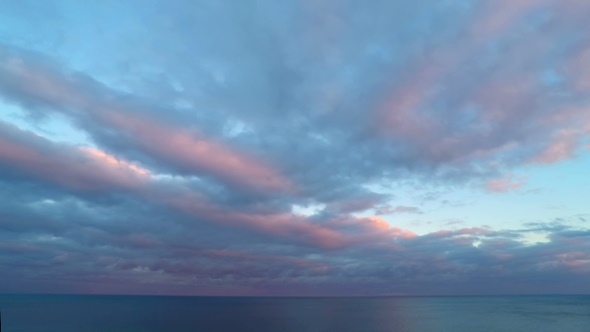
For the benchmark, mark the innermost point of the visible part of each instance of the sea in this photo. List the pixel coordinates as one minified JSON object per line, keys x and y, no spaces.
{"x":44,"y":313}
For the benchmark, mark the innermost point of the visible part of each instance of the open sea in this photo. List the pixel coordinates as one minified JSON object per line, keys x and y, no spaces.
{"x":43,"y":313}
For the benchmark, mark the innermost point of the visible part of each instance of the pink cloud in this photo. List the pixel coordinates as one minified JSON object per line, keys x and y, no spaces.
{"x":563,"y":143}
{"x":404,"y":113}
{"x":80,"y":169}
{"x":497,"y":16}
{"x":576,"y":69}
{"x":195,"y":153}
{"x":558,"y":150}
{"x":114,"y":162}
{"x":94,"y":170}
{"x":381,"y":226}
{"x":370,"y":231}
{"x":512,"y":103}
{"x":398,"y":111}
{"x":574,"y":260}
{"x":173,"y":145}
{"x":39,"y":82}
{"x":503,"y":185}
{"x":376,"y":223}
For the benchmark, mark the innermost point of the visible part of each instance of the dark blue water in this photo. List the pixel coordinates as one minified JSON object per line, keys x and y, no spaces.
{"x":404,"y":314}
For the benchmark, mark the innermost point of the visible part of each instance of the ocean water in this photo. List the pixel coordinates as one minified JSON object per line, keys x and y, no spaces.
{"x":44,"y":313}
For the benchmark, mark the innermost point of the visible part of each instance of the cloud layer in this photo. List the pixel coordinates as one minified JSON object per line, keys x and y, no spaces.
{"x":256,"y":148}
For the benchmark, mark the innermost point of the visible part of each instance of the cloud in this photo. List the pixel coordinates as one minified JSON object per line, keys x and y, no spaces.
{"x":209,"y":123}
{"x":479,"y":100}
{"x":462,"y":105}
{"x":90,"y":170}
{"x":91,"y":106}
{"x":398,"y":209}
{"x":84,"y":249}
{"x":502,"y":185}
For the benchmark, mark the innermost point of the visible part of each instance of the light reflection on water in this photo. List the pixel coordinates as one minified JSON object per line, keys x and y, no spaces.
{"x":34,"y":313}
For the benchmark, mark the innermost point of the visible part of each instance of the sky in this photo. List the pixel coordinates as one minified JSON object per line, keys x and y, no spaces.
{"x":295,"y":147}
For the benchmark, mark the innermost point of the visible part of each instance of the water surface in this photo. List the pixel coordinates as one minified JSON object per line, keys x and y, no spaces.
{"x":37,"y":313}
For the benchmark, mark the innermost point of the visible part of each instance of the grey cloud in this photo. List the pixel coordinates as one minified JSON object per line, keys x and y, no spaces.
{"x":85,"y":249}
